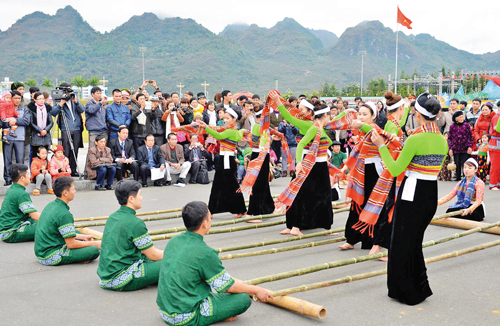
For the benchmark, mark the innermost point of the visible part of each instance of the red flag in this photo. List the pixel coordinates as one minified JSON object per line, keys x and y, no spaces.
{"x":467,"y":77}
{"x":455,"y":76}
{"x":444,"y":77}
{"x":403,"y":20}
{"x":472,"y":77}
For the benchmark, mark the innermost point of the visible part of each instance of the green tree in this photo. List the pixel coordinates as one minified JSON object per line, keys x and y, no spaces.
{"x":93,"y":81}
{"x":47,"y":83}
{"x":443,"y":71}
{"x":376,"y":87}
{"x":79,"y":82}
{"x":30,"y":82}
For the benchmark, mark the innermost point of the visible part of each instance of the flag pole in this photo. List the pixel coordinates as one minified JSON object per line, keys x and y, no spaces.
{"x":396,"y":73}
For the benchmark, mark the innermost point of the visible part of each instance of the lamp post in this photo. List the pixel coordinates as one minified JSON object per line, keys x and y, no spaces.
{"x":205,"y":85}
{"x":142,"y":49}
{"x":362,"y":54}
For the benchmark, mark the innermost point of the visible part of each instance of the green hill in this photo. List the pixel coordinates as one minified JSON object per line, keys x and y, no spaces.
{"x":242,"y":57}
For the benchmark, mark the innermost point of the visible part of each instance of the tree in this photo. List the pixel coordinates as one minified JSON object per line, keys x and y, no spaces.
{"x":79,"y":82}
{"x":376,"y":87}
{"x":30,"y":82}
{"x":47,"y":83}
{"x":93,"y":81}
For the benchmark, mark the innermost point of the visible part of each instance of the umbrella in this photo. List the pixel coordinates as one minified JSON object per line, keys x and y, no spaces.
{"x":237,"y":95}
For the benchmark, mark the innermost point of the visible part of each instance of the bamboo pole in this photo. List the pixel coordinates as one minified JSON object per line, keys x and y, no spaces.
{"x":90,"y":232}
{"x":300,"y":306}
{"x":362,"y":276}
{"x":283,"y":249}
{"x":282,"y":240}
{"x":216,"y":231}
{"x":354,"y":260}
{"x":465,"y":224}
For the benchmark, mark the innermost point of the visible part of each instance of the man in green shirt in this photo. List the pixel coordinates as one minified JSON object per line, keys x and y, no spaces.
{"x":338,"y":157}
{"x":18,"y":214}
{"x":191,"y":269}
{"x":56,"y":241}
{"x":129,"y":261}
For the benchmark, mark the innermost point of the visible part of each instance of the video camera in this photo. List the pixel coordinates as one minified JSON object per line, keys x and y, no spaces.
{"x":63,"y":93}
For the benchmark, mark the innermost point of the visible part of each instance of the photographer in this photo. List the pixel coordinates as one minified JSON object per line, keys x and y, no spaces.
{"x":70,"y":123}
{"x":196,"y":154}
{"x":140,"y":124}
{"x":157,"y":126}
{"x":95,"y":114}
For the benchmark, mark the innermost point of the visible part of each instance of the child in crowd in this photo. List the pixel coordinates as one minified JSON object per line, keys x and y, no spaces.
{"x":445,"y":174}
{"x":240,"y":160}
{"x":7,"y":111}
{"x":221,"y":122}
{"x":59,"y":164}
{"x":483,"y":157}
{"x":469,"y":192}
{"x":40,"y":171}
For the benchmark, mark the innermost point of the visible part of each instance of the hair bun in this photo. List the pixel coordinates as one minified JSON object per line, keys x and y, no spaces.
{"x":388,"y":95}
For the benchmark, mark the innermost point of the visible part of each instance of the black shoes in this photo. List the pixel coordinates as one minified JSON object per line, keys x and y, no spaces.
{"x":180,"y":183}
{"x":168,"y":183}
{"x":100,"y":188}
{"x":109,"y":187}
{"x":158,"y":183}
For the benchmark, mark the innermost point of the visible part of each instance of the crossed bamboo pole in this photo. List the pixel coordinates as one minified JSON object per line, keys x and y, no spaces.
{"x":354,"y":260}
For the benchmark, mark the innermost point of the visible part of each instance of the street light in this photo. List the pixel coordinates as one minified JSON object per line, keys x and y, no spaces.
{"x":362,"y":54}
{"x":142,"y":49}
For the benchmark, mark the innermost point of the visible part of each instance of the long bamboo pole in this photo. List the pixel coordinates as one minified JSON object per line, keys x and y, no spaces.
{"x":362,"y":276}
{"x":465,"y":224}
{"x":354,"y":260}
{"x":282,"y":240}
{"x":283,"y":249}
{"x":300,"y":306}
{"x":90,"y":232}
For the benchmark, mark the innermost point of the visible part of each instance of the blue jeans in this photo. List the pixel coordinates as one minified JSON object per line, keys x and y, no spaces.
{"x":105,"y":172}
{"x":241,"y":172}
{"x":18,"y":147}
{"x":113,"y":135}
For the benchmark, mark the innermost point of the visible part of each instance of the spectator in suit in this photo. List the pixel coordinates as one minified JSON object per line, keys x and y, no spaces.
{"x":196,"y":154}
{"x":97,"y":155}
{"x":174,"y":159}
{"x":117,"y":114}
{"x":123,"y":153}
{"x":149,"y":157}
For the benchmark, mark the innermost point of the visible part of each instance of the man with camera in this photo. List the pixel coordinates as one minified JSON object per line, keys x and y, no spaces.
{"x":140,"y":124}
{"x":95,"y":114}
{"x":70,"y":123}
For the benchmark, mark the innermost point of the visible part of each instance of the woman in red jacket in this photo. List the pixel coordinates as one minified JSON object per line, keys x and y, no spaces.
{"x":483,"y":122}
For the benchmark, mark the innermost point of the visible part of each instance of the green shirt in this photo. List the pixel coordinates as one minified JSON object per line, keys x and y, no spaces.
{"x":15,"y":211}
{"x":338,"y":159}
{"x":125,"y":237}
{"x":189,"y":270}
{"x":55,"y":224}
{"x":391,"y":127}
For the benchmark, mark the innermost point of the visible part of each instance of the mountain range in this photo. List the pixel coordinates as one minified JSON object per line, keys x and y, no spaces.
{"x":241,"y":57}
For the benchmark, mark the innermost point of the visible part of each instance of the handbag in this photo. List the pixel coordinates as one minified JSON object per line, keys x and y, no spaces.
{"x":202,"y":177}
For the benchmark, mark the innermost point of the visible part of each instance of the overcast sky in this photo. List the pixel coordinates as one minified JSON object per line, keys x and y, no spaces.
{"x":463,"y":24}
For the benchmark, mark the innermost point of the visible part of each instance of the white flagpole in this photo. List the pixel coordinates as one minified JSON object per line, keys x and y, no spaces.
{"x":396,"y":73}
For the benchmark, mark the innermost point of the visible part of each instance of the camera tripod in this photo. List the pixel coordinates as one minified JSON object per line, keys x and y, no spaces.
{"x":63,"y":118}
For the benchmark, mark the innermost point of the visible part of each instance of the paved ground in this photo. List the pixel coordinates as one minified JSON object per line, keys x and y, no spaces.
{"x":466,"y":289}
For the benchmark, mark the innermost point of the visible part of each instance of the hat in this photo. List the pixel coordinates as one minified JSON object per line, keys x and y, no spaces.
{"x":473,"y":162}
{"x":125,"y":93}
{"x":56,"y":148}
{"x":336,"y":143}
{"x":201,"y":95}
{"x":197,"y":115}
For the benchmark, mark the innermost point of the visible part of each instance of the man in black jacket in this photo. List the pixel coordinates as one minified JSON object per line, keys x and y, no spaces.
{"x":150,"y":157}
{"x":139,"y":127}
{"x":123,"y":152}
{"x":196,"y":154}
{"x":226,"y":101}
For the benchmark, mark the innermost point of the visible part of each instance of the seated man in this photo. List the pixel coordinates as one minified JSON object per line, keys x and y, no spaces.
{"x":191,"y":269}
{"x":18,"y":214}
{"x":99,"y":156}
{"x":55,"y":239}
{"x":123,"y":153}
{"x":174,"y":159}
{"x":196,"y":154}
{"x":149,"y":157}
{"x":338,"y":157}
{"x":129,"y":261}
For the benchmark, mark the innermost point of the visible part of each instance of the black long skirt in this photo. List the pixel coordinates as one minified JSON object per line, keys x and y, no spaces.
{"x":261,"y":201}
{"x":354,"y":236}
{"x":312,"y":207}
{"x":476,"y":215}
{"x":406,"y":274}
{"x":223,"y":196}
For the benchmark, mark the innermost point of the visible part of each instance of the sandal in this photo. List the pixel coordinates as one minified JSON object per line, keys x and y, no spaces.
{"x":36,"y":192}
{"x":50,"y":191}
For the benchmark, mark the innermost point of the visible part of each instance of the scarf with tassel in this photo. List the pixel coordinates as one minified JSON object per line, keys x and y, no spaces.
{"x":195,"y":128}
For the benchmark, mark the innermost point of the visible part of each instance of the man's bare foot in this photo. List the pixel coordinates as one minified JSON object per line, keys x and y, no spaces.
{"x":239,"y":215}
{"x":231,"y":318}
{"x":285,"y":231}
{"x":296,"y":231}
{"x":329,"y":234}
{"x":375,"y":250}
{"x":346,"y":246}
{"x":85,"y":261}
{"x":384,"y":259}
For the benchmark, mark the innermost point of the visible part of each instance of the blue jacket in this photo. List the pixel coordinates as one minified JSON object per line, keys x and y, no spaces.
{"x":96,"y":117}
{"x":73,"y":120}
{"x":117,"y":115}
{"x":289,"y":131}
